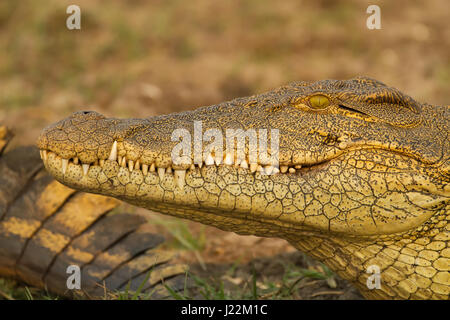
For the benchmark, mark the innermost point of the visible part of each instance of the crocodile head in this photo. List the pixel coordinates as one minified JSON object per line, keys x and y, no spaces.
{"x":341,"y":169}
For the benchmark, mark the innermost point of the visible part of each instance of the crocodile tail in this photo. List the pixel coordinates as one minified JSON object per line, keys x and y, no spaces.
{"x":45,"y":228}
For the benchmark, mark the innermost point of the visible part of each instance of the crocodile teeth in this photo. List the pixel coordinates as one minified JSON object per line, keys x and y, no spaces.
{"x":152,"y":167}
{"x":75,"y":160}
{"x":253,"y":167}
{"x":124,"y":162}
{"x":284,"y":169}
{"x":292,"y":170}
{"x":268,"y":169}
{"x":113,"y":153}
{"x":260,"y":168}
{"x":144,"y":169}
{"x":200,"y":164}
{"x":218,"y":160}
{"x":180,"y":176}
{"x":130,"y":165}
{"x":209,"y":160}
{"x":244,"y":164}
{"x":64,"y":164}
{"x":228,"y":159}
{"x":298,"y":166}
{"x":85,"y":168}
{"x":169,"y":170}
{"x":102,"y":162}
{"x":275,"y":170}
{"x":40,"y":153}
{"x":137,"y":165}
{"x":192,"y":167}
{"x":44,"y":155}
{"x":119,"y":159}
{"x":161,"y":173}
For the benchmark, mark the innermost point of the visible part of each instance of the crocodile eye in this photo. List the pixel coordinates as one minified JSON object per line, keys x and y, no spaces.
{"x":319,"y":102}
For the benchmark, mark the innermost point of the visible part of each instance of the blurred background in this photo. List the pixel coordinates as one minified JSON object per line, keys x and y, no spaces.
{"x":139,"y":58}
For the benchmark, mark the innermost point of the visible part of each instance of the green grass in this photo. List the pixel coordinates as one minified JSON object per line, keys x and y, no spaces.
{"x":196,"y":287}
{"x":12,"y":290}
{"x":252,"y":289}
{"x":183,"y":238}
{"x":135,"y":295}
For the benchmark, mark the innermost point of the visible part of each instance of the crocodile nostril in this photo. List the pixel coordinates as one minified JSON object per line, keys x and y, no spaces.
{"x":83,"y":115}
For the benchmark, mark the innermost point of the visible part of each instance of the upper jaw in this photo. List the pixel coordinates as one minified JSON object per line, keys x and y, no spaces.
{"x":146,"y":145}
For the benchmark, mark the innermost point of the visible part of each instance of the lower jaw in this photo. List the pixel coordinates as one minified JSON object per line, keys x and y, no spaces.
{"x":74,"y":177}
{"x":167,"y":196}
{"x":74,"y":173}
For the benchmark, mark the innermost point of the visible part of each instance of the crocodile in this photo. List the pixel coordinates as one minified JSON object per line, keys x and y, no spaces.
{"x":357,"y":175}
{"x":47,"y":229}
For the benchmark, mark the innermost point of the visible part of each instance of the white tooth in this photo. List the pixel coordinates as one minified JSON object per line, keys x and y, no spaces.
{"x":260,"y":168}
{"x":180,"y":176}
{"x":218,"y":161}
{"x":284,"y":169}
{"x":169,"y":170}
{"x":209,"y":160}
{"x":40,"y":153}
{"x":64,"y":163}
{"x":228,"y":159}
{"x":244,"y":164}
{"x":137,"y":165}
{"x":291,"y":170}
{"x":192,"y":166}
{"x":44,"y":154}
{"x":200,"y":164}
{"x":113,"y":153}
{"x":85,"y":169}
{"x":298,"y":166}
{"x":75,"y":160}
{"x":253,"y":167}
{"x":144,"y":169}
{"x":152,"y":167}
{"x":124,"y":162}
{"x":275,"y":170}
{"x":268,"y":169}
{"x":102,"y":162}
{"x":161,"y":172}
{"x":130,"y":165}
{"x":119,"y":159}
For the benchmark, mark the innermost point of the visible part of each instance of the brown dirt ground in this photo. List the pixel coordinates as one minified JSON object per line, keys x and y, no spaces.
{"x":143,"y":58}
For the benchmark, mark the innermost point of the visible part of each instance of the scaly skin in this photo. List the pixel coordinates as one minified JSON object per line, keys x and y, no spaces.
{"x":364,"y":177}
{"x":45,"y":227}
